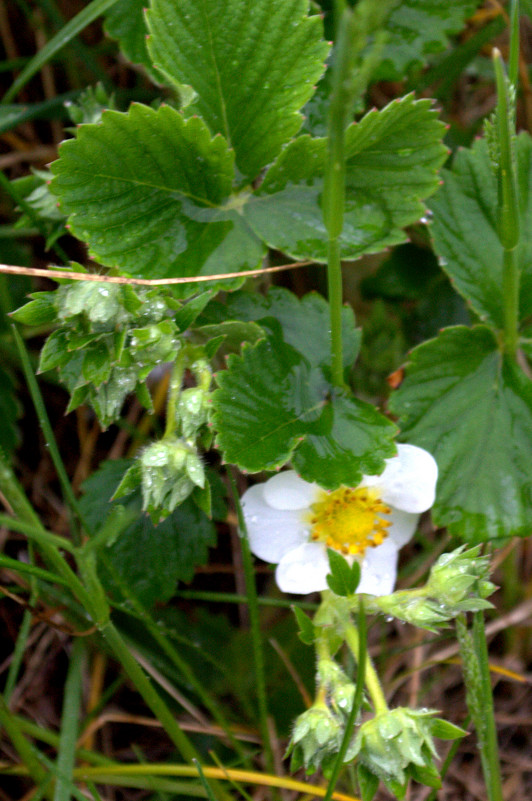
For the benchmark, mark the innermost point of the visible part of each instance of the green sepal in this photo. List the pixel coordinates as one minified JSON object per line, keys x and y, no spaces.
{"x":307,"y":630}
{"x":54,"y":352}
{"x":39,"y":311}
{"x":97,"y":366}
{"x":343,"y":578}
{"x":368,"y":783}
{"x":444,"y":730}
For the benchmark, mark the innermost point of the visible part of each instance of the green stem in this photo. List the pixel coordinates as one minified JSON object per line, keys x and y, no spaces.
{"x":256,"y":636}
{"x":362,"y":662}
{"x":66,"y":754}
{"x":508,"y":213}
{"x":334,"y":186}
{"x":371,"y":678}
{"x":474,"y":655}
{"x":334,"y":282}
{"x":510,"y":289}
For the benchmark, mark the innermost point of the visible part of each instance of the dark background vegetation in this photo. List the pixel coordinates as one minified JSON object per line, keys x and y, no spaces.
{"x":400,"y":298}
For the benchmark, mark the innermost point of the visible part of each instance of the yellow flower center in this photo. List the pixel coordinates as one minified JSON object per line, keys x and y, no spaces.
{"x":349,"y":520}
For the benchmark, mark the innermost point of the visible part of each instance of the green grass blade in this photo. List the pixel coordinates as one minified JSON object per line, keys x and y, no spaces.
{"x":71,"y":29}
{"x":66,"y":756}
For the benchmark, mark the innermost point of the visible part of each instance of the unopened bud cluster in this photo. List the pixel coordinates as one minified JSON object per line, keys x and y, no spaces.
{"x":458,"y":582}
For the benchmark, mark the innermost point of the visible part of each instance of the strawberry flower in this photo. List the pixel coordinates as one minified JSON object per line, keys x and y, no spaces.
{"x":292,"y":522}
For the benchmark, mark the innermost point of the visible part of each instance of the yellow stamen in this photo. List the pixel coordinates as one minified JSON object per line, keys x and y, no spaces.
{"x":349,"y":520}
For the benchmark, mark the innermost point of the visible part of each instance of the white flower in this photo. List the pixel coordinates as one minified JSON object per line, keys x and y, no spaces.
{"x":292,"y":522}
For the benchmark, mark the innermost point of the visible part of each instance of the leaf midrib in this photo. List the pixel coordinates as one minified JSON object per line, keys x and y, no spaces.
{"x":137,"y":182}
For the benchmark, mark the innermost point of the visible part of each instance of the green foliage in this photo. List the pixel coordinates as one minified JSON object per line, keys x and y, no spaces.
{"x":252,"y":66}
{"x":471,"y":407}
{"x":273,"y":405}
{"x":419,"y":28}
{"x":110,"y":338}
{"x":303,"y":321}
{"x":149,"y":559}
{"x":149,"y":191}
{"x":124,"y":21}
{"x":391,"y":161}
{"x":39,"y":203}
{"x":465,"y":229}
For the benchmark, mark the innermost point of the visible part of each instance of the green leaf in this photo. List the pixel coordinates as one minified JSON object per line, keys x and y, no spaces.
{"x":148,"y":191}
{"x":418,"y":28}
{"x":343,"y":578}
{"x":471,"y":407}
{"x":304,"y":321}
{"x":252,"y":63}
{"x":272,"y":405}
{"x":151,"y":559}
{"x":307,"y":630}
{"x":392,"y":157}
{"x":465,"y":229}
{"x":124,"y":21}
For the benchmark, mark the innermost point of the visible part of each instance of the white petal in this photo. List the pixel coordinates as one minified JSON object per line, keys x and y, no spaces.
{"x":408,"y":481}
{"x":403,"y":527}
{"x":379,"y":569}
{"x":272,"y":532}
{"x":303,"y":569}
{"x":288,"y":491}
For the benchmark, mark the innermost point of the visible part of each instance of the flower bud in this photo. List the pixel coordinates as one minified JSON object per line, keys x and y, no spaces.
{"x":398,"y":744}
{"x":316,"y":738}
{"x":170,"y":470}
{"x":458,"y":582}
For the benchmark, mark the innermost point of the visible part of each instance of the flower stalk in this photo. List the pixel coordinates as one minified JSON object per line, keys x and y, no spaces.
{"x":373,"y":685}
{"x":474,"y":655}
{"x":508,"y":205}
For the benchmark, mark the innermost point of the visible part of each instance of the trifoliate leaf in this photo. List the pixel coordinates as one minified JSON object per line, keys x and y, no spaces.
{"x":149,"y":559}
{"x":471,"y":407}
{"x":465,"y":229}
{"x":391,"y":161}
{"x":149,"y":192}
{"x":304,"y":321}
{"x":272,"y":405}
{"x":418,"y":28}
{"x":252,"y":63}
